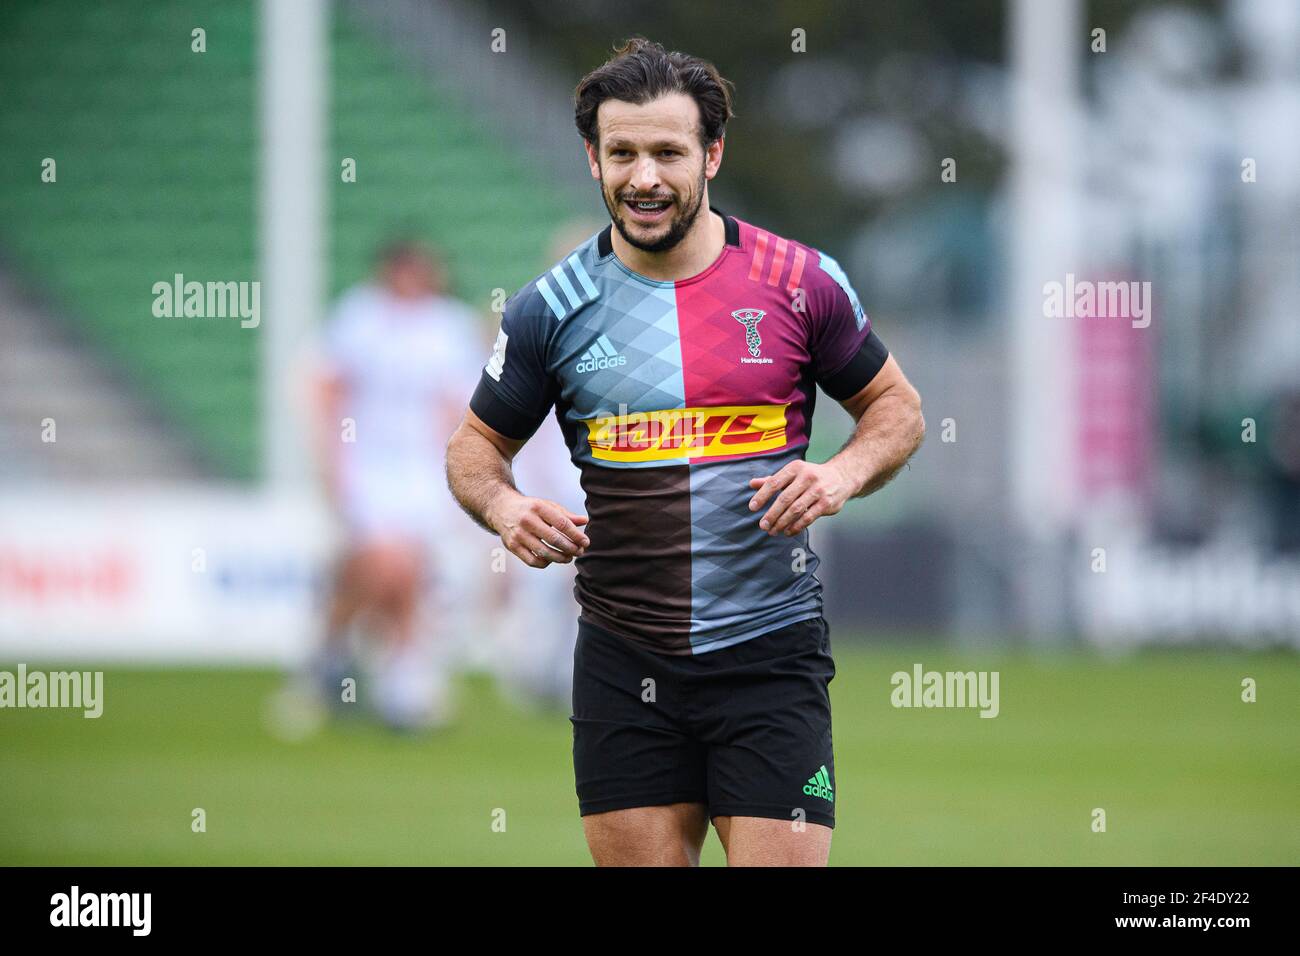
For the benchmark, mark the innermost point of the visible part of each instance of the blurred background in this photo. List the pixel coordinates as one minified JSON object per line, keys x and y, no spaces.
{"x":1106,"y":509}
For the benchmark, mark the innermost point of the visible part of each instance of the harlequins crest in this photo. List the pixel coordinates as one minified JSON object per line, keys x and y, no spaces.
{"x":749,"y":318}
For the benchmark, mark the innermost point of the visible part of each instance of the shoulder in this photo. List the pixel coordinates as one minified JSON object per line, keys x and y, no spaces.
{"x":779,"y":260}
{"x":454,"y":313}
{"x":353,"y":315}
{"x":535,"y":313}
{"x":566,"y":287}
{"x":828,"y":267}
{"x":356,"y":303}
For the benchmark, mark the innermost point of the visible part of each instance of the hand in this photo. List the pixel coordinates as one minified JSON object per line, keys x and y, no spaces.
{"x":539,"y":532}
{"x":810,"y":491}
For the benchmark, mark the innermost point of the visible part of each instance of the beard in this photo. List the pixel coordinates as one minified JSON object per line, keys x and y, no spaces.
{"x":683,"y":218}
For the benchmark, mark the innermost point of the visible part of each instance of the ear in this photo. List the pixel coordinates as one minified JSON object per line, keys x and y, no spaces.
{"x":713,"y":158}
{"x":593,"y":160}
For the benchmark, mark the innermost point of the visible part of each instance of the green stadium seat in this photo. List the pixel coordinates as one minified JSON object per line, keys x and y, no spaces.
{"x":157,"y":151}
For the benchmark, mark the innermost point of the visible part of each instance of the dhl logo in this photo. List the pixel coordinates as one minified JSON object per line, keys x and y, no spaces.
{"x":687,"y":432}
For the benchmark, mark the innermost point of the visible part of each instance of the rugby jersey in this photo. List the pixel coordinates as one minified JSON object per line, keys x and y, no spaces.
{"x":671,"y":396}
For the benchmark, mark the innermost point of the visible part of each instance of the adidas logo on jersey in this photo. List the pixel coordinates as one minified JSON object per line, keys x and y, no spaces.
{"x":819,"y":785}
{"x":602,"y":354}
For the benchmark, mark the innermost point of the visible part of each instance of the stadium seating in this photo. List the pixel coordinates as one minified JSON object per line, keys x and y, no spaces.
{"x":157,"y":173}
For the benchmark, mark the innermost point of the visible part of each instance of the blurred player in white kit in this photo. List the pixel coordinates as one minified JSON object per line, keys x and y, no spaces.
{"x":400,"y":355}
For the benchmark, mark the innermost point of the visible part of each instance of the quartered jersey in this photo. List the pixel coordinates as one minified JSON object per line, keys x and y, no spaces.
{"x":671,"y":397}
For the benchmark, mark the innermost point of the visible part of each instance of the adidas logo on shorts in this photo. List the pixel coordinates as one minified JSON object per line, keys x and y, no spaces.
{"x":602,"y":354}
{"x":819,"y":785}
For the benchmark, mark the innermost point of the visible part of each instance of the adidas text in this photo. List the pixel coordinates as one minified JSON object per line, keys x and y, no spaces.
{"x":591,"y":365}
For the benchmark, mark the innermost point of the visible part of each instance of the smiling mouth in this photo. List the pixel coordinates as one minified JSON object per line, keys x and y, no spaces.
{"x":648,"y":210}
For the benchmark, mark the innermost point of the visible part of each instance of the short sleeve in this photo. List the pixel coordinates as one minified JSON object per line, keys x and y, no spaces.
{"x":516,"y":392}
{"x":846,"y":352}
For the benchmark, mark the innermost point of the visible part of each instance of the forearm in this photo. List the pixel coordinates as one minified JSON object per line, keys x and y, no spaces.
{"x":887,"y":434}
{"x":479,"y":476}
{"x":327,"y":440}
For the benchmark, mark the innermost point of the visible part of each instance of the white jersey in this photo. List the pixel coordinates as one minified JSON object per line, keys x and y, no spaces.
{"x":408,"y":369}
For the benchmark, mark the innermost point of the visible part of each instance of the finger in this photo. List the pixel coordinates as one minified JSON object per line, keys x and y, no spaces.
{"x":784,"y":500}
{"x":771,"y":485}
{"x":578,"y":519}
{"x":531,"y":551}
{"x":526,"y":556}
{"x":756,"y":482}
{"x":797,"y":508}
{"x":558,"y":519}
{"x":539,"y":550}
{"x":815,"y":511}
{"x":560,"y":555}
{"x":549,"y":536}
{"x":555,"y":541}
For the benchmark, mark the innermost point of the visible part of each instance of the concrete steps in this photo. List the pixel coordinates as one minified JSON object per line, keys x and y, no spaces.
{"x":102,"y":429}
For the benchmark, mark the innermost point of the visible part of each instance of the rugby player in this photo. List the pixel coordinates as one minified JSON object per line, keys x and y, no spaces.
{"x":395,"y":351}
{"x":681,"y":349}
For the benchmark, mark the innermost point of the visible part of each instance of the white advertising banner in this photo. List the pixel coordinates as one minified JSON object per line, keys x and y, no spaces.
{"x":1227,"y":593}
{"x":171,"y":575}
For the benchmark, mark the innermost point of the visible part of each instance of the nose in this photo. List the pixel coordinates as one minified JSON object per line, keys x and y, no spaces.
{"x":645,"y":177}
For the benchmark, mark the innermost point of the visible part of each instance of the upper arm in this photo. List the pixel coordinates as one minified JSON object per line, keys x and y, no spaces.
{"x":516,"y":390}
{"x":850,"y":362}
{"x":847,"y":354}
{"x":507,"y":446}
{"x":329,"y":372}
{"x":890,"y":379}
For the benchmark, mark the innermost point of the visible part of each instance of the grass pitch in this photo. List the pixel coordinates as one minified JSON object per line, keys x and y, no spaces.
{"x":1187,"y":773}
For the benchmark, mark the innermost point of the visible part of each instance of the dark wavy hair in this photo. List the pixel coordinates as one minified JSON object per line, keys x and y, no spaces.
{"x":640,"y":71}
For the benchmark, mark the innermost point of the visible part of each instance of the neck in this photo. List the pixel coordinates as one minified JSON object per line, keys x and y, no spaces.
{"x":698,"y":250}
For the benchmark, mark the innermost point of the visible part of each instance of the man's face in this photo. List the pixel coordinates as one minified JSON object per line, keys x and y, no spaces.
{"x":651,"y":154}
{"x":411,"y":276}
